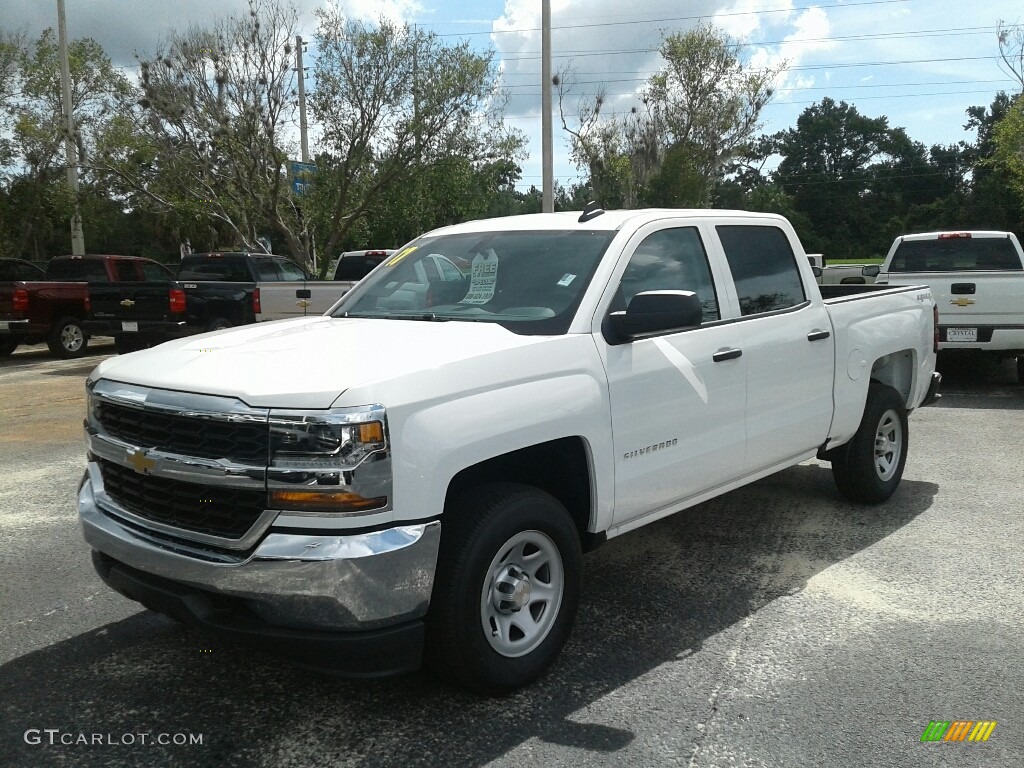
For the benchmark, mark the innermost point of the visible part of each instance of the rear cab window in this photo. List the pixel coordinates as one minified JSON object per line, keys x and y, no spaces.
{"x":763,"y":267}
{"x":221,"y":268}
{"x":77,"y":270}
{"x":956,"y":253}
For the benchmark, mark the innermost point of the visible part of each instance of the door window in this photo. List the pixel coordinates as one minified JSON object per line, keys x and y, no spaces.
{"x":125,"y":271}
{"x":670,"y":260}
{"x":266,"y":270}
{"x":155,"y":273}
{"x":763,"y":267}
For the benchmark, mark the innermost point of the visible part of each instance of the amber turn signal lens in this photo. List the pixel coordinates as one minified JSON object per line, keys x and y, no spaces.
{"x":371,"y":433}
{"x":326,"y":501}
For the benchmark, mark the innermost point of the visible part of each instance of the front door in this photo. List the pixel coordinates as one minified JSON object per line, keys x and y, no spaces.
{"x":677,"y":400}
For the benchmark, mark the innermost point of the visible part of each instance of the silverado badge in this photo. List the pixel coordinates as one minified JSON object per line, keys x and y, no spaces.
{"x":140,"y":461}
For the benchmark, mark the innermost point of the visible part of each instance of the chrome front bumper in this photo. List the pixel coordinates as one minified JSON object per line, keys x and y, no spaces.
{"x":351,"y":582}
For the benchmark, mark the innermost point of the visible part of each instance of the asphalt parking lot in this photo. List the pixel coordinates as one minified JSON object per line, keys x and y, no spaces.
{"x":776,"y":626}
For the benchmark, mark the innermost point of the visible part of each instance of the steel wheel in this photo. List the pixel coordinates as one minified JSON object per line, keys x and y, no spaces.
{"x":869,"y":467}
{"x":888,"y":445}
{"x":522,"y":593}
{"x":72,"y":338}
{"x":506,"y":588}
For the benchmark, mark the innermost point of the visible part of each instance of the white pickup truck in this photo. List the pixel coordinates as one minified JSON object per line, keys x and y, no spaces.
{"x":418,"y":471}
{"x":977,"y":278}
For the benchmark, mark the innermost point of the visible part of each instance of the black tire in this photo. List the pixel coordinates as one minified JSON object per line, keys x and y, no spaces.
{"x":1020,"y":369}
{"x":865,"y":469}
{"x":67,"y":339}
{"x":7,"y":347}
{"x":218,"y":324}
{"x":496,"y":538}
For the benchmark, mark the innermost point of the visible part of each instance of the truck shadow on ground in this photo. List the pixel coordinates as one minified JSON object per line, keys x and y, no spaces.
{"x":651,"y":599}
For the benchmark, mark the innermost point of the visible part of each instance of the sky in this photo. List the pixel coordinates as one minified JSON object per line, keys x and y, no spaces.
{"x":920,"y":63}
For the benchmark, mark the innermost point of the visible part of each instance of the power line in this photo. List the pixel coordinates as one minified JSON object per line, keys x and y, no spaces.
{"x":698,"y":17}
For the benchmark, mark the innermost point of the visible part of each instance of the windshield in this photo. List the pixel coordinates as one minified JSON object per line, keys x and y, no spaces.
{"x":529,"y":282}
{"x":956,"y":254}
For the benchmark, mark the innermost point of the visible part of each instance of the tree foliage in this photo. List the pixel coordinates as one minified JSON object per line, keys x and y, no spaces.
{"x":207,"y":141}
{"x":697,"y":112}
{"x":32,"y":155}
{"x":397,"y":106}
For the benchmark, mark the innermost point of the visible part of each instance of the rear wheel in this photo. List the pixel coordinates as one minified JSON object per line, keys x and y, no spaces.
{"x":1020,"y":369}
{"x":869,"y":467}
{"x":217,"y":324}
{"x":67,"y":339}
{"x":7,"y":346}
{"x":506,"y":590}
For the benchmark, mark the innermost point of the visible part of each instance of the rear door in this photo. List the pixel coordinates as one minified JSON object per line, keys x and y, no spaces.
{"x":787,"y":343}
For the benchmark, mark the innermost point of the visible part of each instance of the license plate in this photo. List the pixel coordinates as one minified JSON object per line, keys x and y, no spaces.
{"x":961,"y":334}
{"x":129,"y":326}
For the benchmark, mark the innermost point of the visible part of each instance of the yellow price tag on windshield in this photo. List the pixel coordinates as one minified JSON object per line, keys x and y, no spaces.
{"x":401,"y":255}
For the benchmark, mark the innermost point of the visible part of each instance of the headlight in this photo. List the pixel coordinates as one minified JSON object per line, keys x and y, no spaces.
{"x":333,"y":461}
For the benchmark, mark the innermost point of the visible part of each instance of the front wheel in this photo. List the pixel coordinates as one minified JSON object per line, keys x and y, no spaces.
{"x":67,"y":339}
{"x":506,"y":590}
{"x":869,"y":467}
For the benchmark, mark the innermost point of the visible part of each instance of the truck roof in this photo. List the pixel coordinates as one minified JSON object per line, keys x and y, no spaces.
{"x":608,"y":220}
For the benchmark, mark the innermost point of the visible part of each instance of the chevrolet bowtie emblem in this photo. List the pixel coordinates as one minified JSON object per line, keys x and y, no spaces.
{"x":127,"y":303}
{"x":140,"y":461}
{"x":962,"y":302}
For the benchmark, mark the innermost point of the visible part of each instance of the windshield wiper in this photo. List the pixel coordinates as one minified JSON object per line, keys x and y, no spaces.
{"x":425,"y":316}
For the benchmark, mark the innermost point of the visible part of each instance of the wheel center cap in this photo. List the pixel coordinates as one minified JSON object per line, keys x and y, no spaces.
{"x":511,"y":590}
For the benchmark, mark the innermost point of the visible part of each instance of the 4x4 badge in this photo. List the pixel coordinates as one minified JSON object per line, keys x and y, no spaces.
{"x":140,"y":461}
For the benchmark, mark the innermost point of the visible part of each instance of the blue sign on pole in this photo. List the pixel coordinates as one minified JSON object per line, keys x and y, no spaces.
{"x":301,"y":174}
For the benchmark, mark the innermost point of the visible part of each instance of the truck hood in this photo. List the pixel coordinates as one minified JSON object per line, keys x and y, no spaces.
{"x":306,"y":362}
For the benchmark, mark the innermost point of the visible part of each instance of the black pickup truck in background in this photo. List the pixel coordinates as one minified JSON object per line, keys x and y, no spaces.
{"x":210,"y":291}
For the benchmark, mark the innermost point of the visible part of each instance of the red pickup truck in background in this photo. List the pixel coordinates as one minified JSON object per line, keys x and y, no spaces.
{"x":52,"y":309}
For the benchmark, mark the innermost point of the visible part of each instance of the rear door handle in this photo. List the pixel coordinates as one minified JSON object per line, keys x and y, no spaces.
{"x":818,"y":335}
{"x":726,"y":354}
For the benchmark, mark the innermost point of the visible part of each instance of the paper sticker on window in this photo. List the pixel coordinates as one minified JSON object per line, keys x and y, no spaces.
{"x":566,"y":279}
{"x":483,"y":277}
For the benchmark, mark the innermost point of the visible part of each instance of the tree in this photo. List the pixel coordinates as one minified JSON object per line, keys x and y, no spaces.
{"x":393,"y":103}
{"x":1011,"y":50}
{"x":206,"y":144}
{"x":828,"y":167}
{"x":1008,"y":138}
{"x":694,"y":115}
{"x":33,"y":157}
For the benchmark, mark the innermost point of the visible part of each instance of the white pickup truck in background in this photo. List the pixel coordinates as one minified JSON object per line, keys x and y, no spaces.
{"x":418,"y":471}
{"x":977,"y":278}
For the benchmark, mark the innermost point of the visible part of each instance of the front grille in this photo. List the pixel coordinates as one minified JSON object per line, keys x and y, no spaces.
{"x":248,"y":443}
{"x":215,"y":511}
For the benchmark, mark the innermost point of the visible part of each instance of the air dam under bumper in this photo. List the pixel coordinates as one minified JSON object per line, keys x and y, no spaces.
{"x":352,"y":604}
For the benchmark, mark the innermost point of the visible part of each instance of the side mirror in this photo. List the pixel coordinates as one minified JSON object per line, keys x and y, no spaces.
{"x":653,"y":312}
{"x":816,"y":271}
{"x":871,"y":270}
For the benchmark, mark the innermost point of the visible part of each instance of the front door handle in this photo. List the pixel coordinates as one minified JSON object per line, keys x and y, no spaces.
{"x":726,"y":354}
{"x":818,"y":335}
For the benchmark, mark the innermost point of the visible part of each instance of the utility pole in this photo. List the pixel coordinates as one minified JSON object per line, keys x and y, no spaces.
{"x":548,"y":197}
{"x":70,"y":150}
{"x":302,"y":99}
{"x":304,"y":139}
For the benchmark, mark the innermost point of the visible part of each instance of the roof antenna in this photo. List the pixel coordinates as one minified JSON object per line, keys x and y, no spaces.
{"x":590,"y":211}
